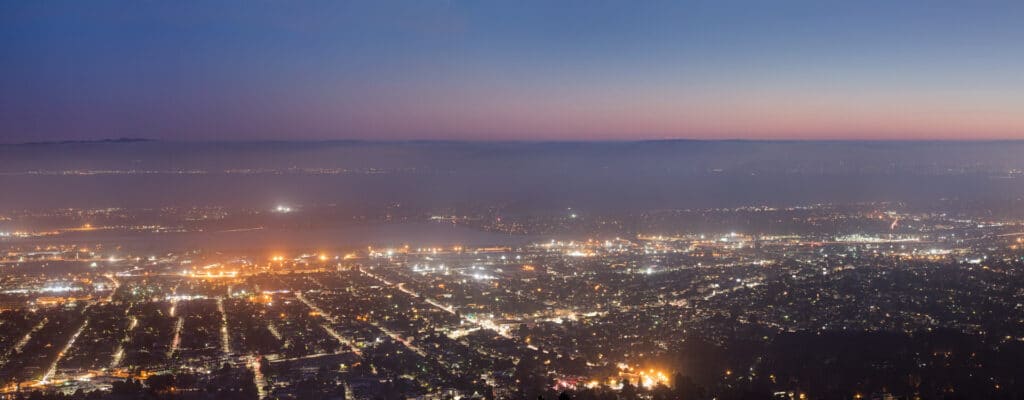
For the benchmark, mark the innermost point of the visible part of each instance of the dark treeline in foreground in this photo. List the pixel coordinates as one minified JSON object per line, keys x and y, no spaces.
{"x":226,"y":383}
{"x":835,"y":365}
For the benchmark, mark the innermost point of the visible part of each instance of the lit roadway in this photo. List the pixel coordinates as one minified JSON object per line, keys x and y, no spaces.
{"x":177,"y":337}
{"x":333,"y":320}
{"x":330,"y":318}
{"x":257,"y":377}
{"x":480,"y":323}
{"x":24,"y":340}
{"x":225,"y":339}
{"x":71,"y":342}
{"x":119,"y":354}
{"x":116,"y":283}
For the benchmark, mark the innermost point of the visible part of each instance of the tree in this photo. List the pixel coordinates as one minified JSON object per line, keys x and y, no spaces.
{"x":684,"y":387}
{"x":160,"y":383}
{"x":265,"y":367}
{"x":628,"y":390}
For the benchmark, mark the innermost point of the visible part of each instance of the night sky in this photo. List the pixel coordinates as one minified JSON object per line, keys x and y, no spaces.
{"x":514,"y":70}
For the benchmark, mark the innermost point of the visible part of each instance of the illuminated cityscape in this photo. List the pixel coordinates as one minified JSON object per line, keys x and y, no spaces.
{"x":511,"y":200}
{"x":759,"y":301}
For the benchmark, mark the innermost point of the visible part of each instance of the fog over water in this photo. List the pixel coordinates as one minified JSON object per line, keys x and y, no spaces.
{"x":520,"y":177}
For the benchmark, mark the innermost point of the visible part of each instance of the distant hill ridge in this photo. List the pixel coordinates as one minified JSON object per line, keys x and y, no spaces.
{"x":113,"y":140}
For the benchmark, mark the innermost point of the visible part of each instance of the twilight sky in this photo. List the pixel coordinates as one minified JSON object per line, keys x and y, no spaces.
{"x":487,"y":70}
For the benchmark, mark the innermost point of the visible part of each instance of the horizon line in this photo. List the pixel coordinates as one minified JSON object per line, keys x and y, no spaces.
{"x":129,"y":140}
